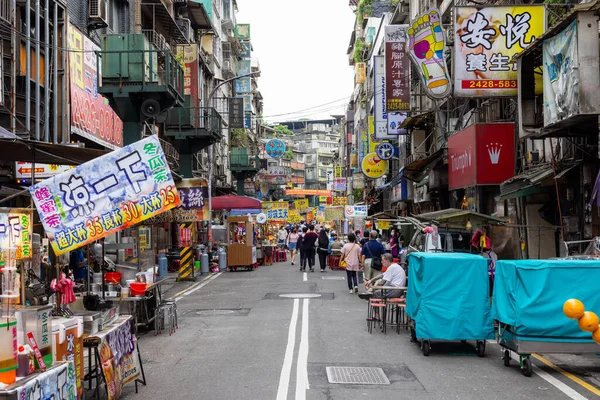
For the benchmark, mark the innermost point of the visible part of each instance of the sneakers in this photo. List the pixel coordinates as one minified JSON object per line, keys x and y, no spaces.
{"x":351,"y":291}
{"x":312,"y":270}
{"x":355,"y":289}
{"x":292,"y":263}
{"x":322,"y":270}
{"x":365,"y":296}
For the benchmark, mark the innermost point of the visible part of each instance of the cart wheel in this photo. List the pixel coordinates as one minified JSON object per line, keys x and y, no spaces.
{"x":527,"y":367}
{"x":480,"y":349}
{"x":506,"y":358}
{"x":413,"y":334}
{"x":426,"y":345}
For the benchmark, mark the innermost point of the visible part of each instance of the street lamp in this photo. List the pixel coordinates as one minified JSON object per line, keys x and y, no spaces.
{"x":210,"y":150}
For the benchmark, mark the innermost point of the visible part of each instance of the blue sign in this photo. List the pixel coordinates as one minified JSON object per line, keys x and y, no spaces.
{"x":275,"y":148}
{"x":385,"y":151}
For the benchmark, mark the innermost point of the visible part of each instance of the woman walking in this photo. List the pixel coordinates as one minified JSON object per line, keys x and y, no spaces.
{"x":323,"y":249}
{"x":292,"y":243}
{"x":395,"y":243}
{"x":300,"y":247}
{"x":350,"y":254}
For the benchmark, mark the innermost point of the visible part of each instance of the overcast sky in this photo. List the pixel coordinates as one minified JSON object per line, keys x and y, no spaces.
{"x":301,"y":47}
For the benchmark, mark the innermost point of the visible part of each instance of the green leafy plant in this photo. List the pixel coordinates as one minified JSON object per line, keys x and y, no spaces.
{"x":358,"y":195}
{"x":364,"y":7}
{"x":283,"y":130}
{"x":556,"y":10}
{"x":239,"y":138}
{"x":289,"y":154}
{"x":359,"y":48}
{"x":395,"y":3}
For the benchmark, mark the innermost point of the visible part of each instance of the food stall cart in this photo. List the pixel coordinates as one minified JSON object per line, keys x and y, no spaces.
{"x":241,"y":246}
{"x":528,"y":301}
{"x":448,"y":299}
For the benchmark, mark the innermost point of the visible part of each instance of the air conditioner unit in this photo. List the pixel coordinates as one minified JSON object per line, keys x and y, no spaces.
{"x":98,"y":12}
{"x":185,"y":25}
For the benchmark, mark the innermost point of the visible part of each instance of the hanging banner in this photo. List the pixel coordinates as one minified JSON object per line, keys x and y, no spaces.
{"x":193,"y":193}
{"x":334,"y":213}
{"x":397,"y":69}
{"x":276,"y":210}
{"x":338,"y":172}
{"x":320,"y":214}
{"x":57,"y":382}
{"x":118,"y":356}
{"x":293,"y":217}
{"x":308,"y":192}
{"x":339,"y":201}
{"x":339,"y":184}
{"x":301,"y":205}
{"x":426,"y":47}
{"x":91,"y":115}
{"x":236,"y":113}
{"x":561,"y":75}
{"x":355,"y":211}
{"x":485,"y":40}
{"x":105,"y":195}
{"x":360,"y":72}
{"x":381,"y":124}
{"x":189,"y":54}
{"x":15,"y":234}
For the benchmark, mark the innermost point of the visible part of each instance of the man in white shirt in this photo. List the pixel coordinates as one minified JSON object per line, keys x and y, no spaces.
{"x":282,"y":235}
{"x":393,"y":276}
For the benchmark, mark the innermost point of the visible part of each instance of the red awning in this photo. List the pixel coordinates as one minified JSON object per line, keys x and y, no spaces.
{"x":231,"y":202}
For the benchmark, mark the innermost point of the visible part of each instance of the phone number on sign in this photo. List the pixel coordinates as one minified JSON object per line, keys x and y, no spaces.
{"x":489,"y":84}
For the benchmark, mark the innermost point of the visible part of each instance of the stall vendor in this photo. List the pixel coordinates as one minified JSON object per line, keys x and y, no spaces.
{"x":78,"y":264}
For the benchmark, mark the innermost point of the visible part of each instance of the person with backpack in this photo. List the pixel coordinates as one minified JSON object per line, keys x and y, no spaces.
{"x":371,"y":256}
{"x":301,"y":248}
{"x":323,"y":248}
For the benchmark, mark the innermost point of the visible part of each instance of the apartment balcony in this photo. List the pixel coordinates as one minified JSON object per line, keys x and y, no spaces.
{"x":139,"y":80}
{"x":241,"y":160}
{"x":203,"y":124}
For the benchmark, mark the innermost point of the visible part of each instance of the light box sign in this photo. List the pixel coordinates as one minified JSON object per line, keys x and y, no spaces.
{"x":481,"y":154}
{"x":426,"y":46}
{"x":105,"y":195}
{"x":381,"y":116}
{"x":193,"y":194}
{"x":236,"y":113}
{"x":355,"y":211}
{"x":397,"y":69}
{"x":91,"y":115}
{"x":486,"y":38}
{"x":276,"y":210}
{"x":25,"y":170}
{"x":15,"y":233}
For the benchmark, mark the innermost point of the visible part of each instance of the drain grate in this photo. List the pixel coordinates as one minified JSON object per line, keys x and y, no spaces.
{"x":357,"y":375}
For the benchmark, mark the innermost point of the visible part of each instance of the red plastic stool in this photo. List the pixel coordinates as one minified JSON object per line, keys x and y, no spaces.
{"x":280,"y":256}
{"x":334,"y":262}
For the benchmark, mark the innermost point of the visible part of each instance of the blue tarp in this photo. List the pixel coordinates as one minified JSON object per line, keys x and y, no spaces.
{"x":448,"y":296}
{"x":529,"y":295}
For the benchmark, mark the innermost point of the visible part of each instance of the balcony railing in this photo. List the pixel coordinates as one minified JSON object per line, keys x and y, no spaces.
{"x":193,"y":122}
{"x":156,"y":39}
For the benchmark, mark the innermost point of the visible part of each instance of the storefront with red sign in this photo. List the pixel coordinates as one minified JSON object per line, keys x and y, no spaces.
{"x":480,"y":155}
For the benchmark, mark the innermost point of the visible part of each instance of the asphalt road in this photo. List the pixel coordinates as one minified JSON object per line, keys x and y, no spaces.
{"x":234,"y":342}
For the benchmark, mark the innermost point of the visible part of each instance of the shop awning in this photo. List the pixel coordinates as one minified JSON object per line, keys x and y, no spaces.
{"x":531,"y":181}
{"x":456,"y":217}
{"x":415,"y":120}
{"x":198,"y":16}
{"x":243,"y":211}
{"x":231,"y":202}
{"x":46,"y":153}
{"x":416,"y":170}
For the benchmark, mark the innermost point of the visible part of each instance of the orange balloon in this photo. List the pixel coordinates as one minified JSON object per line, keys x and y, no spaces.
{"x":573,"y":309}
{"x":596,"y":335}
{"x":589,"y":322}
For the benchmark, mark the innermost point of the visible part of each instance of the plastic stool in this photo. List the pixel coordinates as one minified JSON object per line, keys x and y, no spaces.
{"x":268,"y":258}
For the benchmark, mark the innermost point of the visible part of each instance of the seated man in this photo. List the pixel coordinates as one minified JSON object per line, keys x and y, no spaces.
{"x":336,"y":246}
{"x":393,"y":276}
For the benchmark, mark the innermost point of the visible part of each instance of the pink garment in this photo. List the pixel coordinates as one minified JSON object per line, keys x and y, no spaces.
{"x":351,"y":253}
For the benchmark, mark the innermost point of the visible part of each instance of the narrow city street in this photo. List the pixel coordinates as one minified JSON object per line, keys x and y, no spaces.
{"x":234,"y":341}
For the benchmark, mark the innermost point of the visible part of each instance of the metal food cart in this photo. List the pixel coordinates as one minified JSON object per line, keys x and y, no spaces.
{"x":241,"y":247}
{"x":527,"y":304}
{"x":448,"y":299}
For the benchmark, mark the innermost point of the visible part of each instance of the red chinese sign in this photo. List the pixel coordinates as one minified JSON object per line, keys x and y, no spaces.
{"x":91,"y":115}
{"x":397,"y":69}
{"x":482,"y":154}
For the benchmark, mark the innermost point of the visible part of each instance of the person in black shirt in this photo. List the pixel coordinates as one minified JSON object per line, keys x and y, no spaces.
{"x":323,"y":248}
{"x":308,"y":242}
{"x":302,"y":233}
{"x":365,"y":238}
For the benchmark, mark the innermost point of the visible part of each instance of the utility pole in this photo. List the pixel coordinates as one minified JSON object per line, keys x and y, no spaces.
{"x":210,"y":150}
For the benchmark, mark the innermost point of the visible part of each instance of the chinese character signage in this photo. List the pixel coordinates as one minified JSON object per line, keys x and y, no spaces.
{"x":91,"y":115}
{"x":360,"y":72}
{"x":15,"y":234}
{"x":335,"y":213}
{"x":394,"y":121}
{"x":189,"y":53}
{"x":485,"y":40}
{"x":275,"y":148}
{"x":426,"y":45}
{"x":276,"y":210}
{"x":242,"y":31}
{"x":25,"y":170}
{"x":481,"y":154}
{"x":301,"y":204}
{"x":105,"y":195}
{"x":339,"y":201}
{"x":338,"y":172}
{"x":193,"y":193}
{"x":561,"y":75}
{"x":355,"y":211}
{"x":119,"y":358}
{"x":236,"y":113}
{"x":397,"y":69}
{"x":57,"y":382}
{"x":373,"y":167}
{"x":243,"y":85}
{"x":381,"y":125}
{"x":276,"y":170}
{"x":339,"y":184}
{"x":307,"y":192}
{"x":294,"y":217}
{"x":246,"y":49}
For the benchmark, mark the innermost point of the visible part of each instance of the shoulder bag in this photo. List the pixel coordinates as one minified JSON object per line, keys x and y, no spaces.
{"x":375,"y":262}
{"x":343,"y":262}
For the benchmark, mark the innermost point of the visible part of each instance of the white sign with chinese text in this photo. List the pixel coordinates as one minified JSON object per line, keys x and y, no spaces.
{"x":103,"y":196}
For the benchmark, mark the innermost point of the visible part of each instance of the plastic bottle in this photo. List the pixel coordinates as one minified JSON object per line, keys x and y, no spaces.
{"x":23,"y":357}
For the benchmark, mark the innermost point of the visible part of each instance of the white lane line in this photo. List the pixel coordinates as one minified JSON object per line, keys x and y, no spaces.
{"x":568,"y":391}
{"x":302,"y":384}
{"x":286,"y":369}
{"x":304,"y":276}
{"x":178,"y":298}
{"x":200,"y":286}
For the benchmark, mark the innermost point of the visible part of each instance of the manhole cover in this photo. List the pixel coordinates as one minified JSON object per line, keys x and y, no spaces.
{"x":300,"y":295}
{"x":242,"y":312}
{"x":357,"y":375}
{"x":333,"y":278}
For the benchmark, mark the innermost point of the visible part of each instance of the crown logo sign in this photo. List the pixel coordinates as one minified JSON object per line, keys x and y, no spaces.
{"x":494,"y":150}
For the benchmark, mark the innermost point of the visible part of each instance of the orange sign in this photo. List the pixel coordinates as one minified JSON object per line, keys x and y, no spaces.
{"x":308,"y":192}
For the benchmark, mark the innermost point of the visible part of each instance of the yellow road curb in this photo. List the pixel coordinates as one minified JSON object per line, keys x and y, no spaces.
{"x":569,"y":375}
